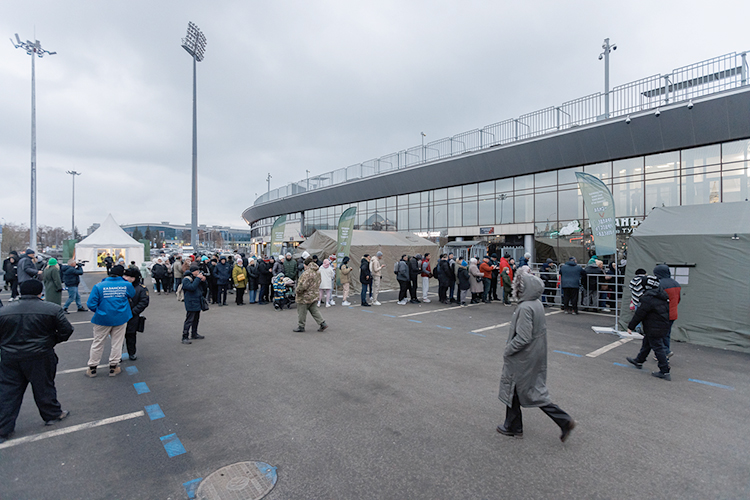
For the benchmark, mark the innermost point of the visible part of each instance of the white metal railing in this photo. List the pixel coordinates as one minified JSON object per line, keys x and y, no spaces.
{"x":682,"y":84}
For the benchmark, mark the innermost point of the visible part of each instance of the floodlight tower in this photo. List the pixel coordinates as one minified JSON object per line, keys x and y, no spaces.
{"x":195,"y":45}
{"x":31,"y":49}
{"x":73,"y":173}
{"x":605,"y":55}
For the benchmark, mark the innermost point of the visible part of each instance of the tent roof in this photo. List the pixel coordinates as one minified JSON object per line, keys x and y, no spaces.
{"x":109,"y":234}
{"x":714,"y":218}
{"x":379,"y":238}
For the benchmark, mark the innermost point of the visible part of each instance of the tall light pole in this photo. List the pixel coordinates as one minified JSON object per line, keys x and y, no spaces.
{"x":268,"y":179}
{"x":73,"y":222}
{"x":195,"y":45}
{"x":607,"y":49}
{"x":423,"y":152}
{"x":32,"y":48}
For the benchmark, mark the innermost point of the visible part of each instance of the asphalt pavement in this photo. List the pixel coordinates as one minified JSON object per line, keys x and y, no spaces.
{"x":391,"y":402}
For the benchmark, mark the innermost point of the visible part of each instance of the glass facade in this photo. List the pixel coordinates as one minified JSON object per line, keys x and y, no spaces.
{"x":552,"y":202}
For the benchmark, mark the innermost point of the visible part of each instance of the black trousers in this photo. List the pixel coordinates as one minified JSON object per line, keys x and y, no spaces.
{"x":13,"y":288}
{"x":263,"y":294}
{"x":413,"y":288}
{"x":403,"y":287}
{"x":130,"y":342}
{"x":514,"y":419}
{"x":570,"y":299}
{"x":493,"y":288}
{"x":15,"y":376}
{"x":240,"y":296}
{"x":191,"y":323}
{"x":214,"y":289}
{"x":443,"y":292}
{"x":659,"y":347}
{"x":158,"y":284}
{"x":221,"y":297}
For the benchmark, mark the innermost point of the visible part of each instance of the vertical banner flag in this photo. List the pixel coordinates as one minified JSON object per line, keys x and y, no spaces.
{"x":597,"y":198}
{"x":344,"y":239}
{"x":277,"y":235}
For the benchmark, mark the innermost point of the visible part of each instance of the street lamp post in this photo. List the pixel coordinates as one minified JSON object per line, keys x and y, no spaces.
{"x":32,"y":48}
{"x":73,"y":209}
{"x":268,"y":179}
{"x":423,"y":151}
{"x":195,"y":45}
{"x":502,"y":198}
{"x":607,"y":49}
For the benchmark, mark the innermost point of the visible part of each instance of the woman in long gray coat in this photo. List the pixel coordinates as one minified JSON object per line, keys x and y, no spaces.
{"x":475,"y":278}
{"x":524,"y":378}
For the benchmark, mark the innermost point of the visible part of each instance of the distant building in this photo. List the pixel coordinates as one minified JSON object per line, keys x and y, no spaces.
{"x":92,"y":228}
{"x":179,"y":234}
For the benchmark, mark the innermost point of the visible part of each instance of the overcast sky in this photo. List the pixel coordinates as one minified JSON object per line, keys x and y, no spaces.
{"x":292,"y":85}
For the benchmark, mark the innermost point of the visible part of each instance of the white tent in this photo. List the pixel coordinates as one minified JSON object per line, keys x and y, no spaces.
{"x":110,"y":239}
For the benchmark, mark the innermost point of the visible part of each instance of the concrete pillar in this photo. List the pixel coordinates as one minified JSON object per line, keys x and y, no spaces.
{"x":528,"y":246}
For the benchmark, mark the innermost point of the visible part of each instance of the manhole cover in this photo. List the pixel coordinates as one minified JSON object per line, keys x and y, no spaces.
{"x":240,"y":481}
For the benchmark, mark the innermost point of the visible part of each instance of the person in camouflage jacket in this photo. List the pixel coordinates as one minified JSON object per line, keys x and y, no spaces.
{"x":307,"y":296}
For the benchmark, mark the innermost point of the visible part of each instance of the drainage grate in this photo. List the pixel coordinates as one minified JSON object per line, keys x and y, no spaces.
{"x":240,"y":481}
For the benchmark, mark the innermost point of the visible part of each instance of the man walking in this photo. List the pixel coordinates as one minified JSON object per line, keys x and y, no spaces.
{"x":673,"y":291}
{"x":571,"y":275}
{"x":29,"y":330}
{"x":376,"y":269}
{"x":71,"y":278}
{"x":191,"y":287}
{"x":307,"y":293}
{"x":523,"y":382}
{"x":653,"y":312}
{"x":109,"y":301}
{"x":27,"y":269}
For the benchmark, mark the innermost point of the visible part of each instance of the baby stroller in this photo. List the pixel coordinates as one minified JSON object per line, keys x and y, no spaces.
{"x":283,"y":292}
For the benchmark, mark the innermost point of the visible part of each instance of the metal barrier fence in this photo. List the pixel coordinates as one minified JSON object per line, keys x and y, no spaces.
{"x":595,"y":294}
{"x":682,"y":84}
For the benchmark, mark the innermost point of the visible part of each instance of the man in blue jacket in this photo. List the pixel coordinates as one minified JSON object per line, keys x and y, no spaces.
{"x":111,"y":307}
{"x":571,"y":276}
{"x":71,"y":277}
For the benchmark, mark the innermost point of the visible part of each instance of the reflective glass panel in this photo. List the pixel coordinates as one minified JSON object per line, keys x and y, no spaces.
{"x":699,"y":157}
{"x":701,"y":189}
{"x":486,"y":211}
{"x":469,"y":190}
{"x":629,"y":167}
{"x":523,"y":182}
{"x":545,"y":179}
{"x":504,"y":186}
{"x":568,"y":175}
{"x":487,"y":187}
{"x":454,"y":215}
{"x":628,"y":199}
{"x":440,"y":216}
{"x":545,"y":206}
{"x":414,"y":224}
{"x":601,"y":170}
{"x":504,"y":209}
{"x":735,"y":151}
{"x":570,"y":205}
{"x":454,"y":192}
{"x":735,"y":183}
{"x":470,"y":213}
{"x":524,"y":208}
{"x":441,"y":194}
{"x":662,"y":192}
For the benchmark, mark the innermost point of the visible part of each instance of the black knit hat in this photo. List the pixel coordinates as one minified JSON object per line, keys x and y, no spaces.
{"x":31,"y":287}
{"x":117,"y":270}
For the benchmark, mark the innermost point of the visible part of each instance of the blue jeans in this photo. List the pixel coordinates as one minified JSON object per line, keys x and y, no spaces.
{"x":73,"y":295}
{"x":251,"y":295}
{"x":177,"y":283}
{"x":363,"y":295}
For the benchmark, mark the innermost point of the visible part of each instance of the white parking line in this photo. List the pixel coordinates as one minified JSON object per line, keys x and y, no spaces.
{"x":72,"y":428}
{"x":491,"y":327}
{"x":74,"y":340}
{"x":74,"y":370}
{"x":81,"y":323}
{"x":608,"y":347}
{"x":436,"y":310}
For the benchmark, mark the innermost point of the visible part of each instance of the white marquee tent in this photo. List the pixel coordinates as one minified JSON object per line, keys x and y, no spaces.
{"x":108,"y":238}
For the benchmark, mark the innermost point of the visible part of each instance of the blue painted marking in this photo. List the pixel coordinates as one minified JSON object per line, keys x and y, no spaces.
{"x":630,"y":366}
{"x":366,"y":311}
{"x":569,"y":354}
{"x":192,"y":486}
{"x":141,"y":388}
{"x":173,"y":445}
{"x":389,"y":315}
{"x":154,"y":412}
{"x":620,"y":364}
{"x":414,"y":321}
{"x":712,"y":384}
{"x":132,"y":370}
{"x":478,"y":334}
{"x":445,"y":327}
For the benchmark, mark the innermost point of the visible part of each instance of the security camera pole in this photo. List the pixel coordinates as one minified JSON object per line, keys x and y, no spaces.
{"x":195,"y":45}
{"x":31,"y":49}
{"x":607,"y":49}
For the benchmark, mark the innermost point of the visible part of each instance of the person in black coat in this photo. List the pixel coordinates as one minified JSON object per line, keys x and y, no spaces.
{"x":443,"y":273}
{"x":264,"y":279}
{"x":138,"y":304}
{"x":365,"y":278}
{"x":653,"y":312}
{"x":10,"y":266}
{"x":252,"y":281}
{"x":159,"y":273}
{"x":222,"y":273}
{"x":415,"y":269}
{"x":571,"y":277}
{"x":191,"y":287}
{"x":29,"y":330}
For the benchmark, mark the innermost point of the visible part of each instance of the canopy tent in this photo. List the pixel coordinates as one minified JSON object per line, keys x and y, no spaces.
{"x":110,"y":239}
{"x":706,"y":248}
{"x":393,"y":245}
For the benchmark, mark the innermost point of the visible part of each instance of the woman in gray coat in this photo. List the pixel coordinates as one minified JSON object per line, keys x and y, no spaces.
{"x":476,"y":281}
{"x":524,"y":378}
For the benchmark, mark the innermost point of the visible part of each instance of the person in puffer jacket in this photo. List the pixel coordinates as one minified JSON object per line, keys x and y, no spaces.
{"x":307,"y":291}
{"x":673,"y":290}
{"x":653,"y":311}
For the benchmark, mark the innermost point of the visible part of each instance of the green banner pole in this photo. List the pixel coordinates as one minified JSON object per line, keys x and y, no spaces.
{"x":344,"y":238}
{"x":277,"y":235}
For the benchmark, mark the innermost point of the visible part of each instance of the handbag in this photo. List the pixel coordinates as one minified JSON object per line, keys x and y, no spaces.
{"x":141,"y":324}
{"x":180,"y":294}
{"x":204,"y":304}
{"x":241,"y":277}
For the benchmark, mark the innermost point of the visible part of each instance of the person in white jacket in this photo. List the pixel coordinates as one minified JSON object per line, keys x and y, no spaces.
{"x":376,"y":267}
{"x":326,"y":283}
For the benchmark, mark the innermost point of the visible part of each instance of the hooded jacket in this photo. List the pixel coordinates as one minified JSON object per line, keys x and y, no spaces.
{"x":308,"y":285}
{"x":71,"y":275}
{"x":365,"y":277}
{"x":671,"y":287}
{"x":138,"y":304}
{"x":290,"y":269}
{"x":345,"y":271}
{"x":464,"y":279}
{"x":571,"y":275}
{"x":26,"y":269}
{"x":402,"y":271}
{"x":525,"y":356}
{"x":109,"y":301}
{"x":223,"y":272}
{"x":653,"y":312}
